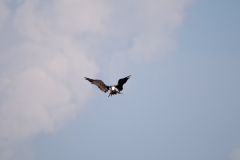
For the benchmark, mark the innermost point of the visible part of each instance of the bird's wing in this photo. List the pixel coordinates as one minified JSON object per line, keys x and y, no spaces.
{"x":99,"y":84}
{"x":121,"y":82}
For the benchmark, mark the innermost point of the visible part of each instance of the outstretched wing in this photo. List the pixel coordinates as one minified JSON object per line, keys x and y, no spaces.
{"x":121,"y":82}
{"x":99,"y":84}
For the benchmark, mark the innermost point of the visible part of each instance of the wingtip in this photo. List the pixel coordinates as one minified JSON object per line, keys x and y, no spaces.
{"x":86,"y":78}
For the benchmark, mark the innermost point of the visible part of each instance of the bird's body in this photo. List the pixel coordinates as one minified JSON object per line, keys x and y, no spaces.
{"x":115,"y":89}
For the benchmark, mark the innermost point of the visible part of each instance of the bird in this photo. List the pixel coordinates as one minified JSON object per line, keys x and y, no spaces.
{"x":114,"y":89}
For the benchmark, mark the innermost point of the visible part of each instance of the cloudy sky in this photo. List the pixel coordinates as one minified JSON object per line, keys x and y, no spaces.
{"x":182,"y":101}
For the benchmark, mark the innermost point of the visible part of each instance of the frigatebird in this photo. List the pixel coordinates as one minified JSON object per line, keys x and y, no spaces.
{"x":114,"y":89}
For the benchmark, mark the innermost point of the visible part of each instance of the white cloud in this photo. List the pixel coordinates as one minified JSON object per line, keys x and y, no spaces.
{"x":235,"y":155}
{"x":41,"y":78}
{"x":158,"y":22}
{"x":4,"y":12}
{"x":148,"y":26}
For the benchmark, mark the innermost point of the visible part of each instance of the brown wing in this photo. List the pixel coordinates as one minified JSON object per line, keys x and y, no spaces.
{"x":99,"y":84}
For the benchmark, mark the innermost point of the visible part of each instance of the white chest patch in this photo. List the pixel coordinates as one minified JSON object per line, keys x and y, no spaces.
{"x":113,"y":88}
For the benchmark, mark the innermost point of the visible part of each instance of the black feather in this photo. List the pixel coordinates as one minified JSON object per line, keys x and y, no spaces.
{"x":121,"y":82}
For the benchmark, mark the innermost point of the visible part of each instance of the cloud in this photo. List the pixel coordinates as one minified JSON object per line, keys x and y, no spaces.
{"x":138,"y":32}
{"x":41,"y":80}
{"x":236,"y":154}
{"x":4,"y":12}
{"x":51,"y":45}
{"x":145,"y":30}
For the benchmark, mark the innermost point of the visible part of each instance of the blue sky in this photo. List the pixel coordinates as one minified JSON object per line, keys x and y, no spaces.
{"x":182,"y":101}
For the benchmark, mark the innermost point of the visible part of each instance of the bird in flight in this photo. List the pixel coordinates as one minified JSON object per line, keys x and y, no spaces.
{"x":114,"y":89}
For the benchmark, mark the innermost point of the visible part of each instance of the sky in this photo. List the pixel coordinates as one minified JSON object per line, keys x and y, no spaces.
{"x":181,"y":102}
